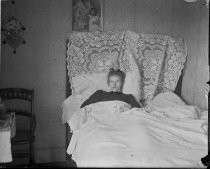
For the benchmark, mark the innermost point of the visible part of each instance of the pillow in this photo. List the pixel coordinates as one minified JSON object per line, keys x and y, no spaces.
{"x":167,"y":99}
{"x":87,"y":84}
{"x":173,"y":106}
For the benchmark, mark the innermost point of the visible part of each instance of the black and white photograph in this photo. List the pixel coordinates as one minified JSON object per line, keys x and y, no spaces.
{"x":104,"y":84}
{"x":87,"y":15}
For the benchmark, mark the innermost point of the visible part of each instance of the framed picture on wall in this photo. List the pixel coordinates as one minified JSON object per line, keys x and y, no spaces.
{"x":87,"y":15}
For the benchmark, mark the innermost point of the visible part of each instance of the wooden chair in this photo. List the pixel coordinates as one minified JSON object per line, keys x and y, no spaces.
{"x":24,"y":135}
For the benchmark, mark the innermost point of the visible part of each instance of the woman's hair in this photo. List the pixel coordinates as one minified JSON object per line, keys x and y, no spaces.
{"x":118,"y":72}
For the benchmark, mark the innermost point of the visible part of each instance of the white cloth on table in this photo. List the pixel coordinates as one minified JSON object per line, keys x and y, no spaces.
{"x":7,"y":131}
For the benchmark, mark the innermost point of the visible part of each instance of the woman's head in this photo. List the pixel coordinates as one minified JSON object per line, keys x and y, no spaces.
{"x":116,"y":80}
{"x":93,"y":12}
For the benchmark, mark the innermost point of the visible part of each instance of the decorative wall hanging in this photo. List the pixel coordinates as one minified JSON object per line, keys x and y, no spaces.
{"x":87,"y":15}
{"x":13,"y":30}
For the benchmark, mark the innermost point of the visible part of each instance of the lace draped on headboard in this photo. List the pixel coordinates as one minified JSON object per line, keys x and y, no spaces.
{"x":160,"y":58}
{"x":95,"y":52}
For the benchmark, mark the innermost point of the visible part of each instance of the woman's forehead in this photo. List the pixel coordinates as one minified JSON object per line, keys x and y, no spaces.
{"x":114,"y":77}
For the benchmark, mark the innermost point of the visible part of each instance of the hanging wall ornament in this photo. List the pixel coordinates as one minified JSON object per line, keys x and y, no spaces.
{"x":13,"y":30}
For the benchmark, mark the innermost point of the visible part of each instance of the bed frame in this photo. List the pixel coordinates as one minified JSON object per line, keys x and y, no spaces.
{"x":69,"y":92}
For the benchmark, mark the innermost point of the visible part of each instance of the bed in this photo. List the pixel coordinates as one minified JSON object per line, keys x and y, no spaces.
{"x":166,"y":132}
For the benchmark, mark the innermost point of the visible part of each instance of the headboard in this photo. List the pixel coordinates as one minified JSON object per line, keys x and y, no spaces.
{"x":69,"y":92}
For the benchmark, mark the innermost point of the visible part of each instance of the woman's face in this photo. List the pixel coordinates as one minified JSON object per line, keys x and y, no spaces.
{"x":115,"y":83}
{"x":92,"y":12}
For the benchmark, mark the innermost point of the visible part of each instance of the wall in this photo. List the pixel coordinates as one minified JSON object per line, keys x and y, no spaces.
{"x":145,"y":16}
{"x":196,"y":34}
{"x":40,"y":63}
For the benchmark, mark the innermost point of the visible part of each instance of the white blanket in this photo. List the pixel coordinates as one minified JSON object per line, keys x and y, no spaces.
{"x":110,"y":134}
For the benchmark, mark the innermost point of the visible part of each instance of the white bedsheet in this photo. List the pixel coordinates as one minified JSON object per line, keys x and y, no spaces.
{"x":108,"y":134}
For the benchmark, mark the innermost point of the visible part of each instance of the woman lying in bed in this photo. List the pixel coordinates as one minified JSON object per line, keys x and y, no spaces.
{"x":115,"y":82}
{"x":108,"y":132}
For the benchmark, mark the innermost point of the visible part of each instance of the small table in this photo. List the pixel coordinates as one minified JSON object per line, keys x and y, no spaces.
{"x":7,"y":131}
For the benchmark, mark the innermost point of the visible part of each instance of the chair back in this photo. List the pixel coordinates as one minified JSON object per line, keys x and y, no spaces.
{"x":20,"y":101}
